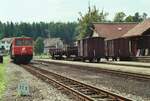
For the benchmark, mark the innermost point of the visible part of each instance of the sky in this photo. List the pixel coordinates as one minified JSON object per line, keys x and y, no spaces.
{"x":65,"y":10}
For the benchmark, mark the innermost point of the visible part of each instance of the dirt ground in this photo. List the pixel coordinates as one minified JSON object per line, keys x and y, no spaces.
{"x":39,"y":91}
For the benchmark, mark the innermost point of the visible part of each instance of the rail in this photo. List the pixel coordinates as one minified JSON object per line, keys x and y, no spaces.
{"x":80,"y":91}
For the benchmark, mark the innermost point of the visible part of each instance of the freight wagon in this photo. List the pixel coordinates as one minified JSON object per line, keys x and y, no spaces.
{"x":117,"y":49}
{"x":91,"y":49}
{"x":87,"y":49}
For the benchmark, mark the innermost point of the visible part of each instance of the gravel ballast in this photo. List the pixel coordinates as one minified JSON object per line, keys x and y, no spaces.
{"x":39,"y":91}
{"x":138,"y":90}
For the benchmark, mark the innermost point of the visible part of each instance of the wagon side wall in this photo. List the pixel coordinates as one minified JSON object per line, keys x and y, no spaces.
{"x":91,"y":47}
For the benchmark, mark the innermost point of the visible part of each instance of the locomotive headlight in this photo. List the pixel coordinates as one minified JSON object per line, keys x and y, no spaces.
{"x":23,"y":50}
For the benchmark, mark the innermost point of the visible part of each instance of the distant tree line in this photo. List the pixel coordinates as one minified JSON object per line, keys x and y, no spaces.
{"x":65,"y":31}
{"x":122,"y":17}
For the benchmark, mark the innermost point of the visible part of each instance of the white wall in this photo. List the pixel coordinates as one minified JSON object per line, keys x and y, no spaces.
{"x":5,"y":44}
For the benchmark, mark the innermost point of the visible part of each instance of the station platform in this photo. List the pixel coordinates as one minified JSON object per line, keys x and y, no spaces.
{"x":131,"y":67}
{"x":129,"y":63}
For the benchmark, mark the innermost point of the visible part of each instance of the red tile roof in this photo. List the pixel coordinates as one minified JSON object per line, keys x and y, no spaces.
{"x":113,"y":30}
{"x":139,"y":29}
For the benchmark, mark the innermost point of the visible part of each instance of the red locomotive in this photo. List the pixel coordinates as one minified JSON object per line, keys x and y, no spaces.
{"x":21,"y":50}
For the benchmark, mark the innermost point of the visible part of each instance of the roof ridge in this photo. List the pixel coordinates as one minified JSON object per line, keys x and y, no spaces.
{"x":139,"y":29}
{"x":116,"y":22}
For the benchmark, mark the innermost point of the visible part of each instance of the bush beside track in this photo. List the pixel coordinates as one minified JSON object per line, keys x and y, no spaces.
{"x":3,"y":75}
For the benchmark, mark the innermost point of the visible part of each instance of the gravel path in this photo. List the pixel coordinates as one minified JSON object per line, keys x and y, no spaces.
{"x":138,"y":90}
{"x":39,"y":91}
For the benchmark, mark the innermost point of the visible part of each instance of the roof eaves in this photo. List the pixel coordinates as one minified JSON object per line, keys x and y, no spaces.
{"x":115,"y":22}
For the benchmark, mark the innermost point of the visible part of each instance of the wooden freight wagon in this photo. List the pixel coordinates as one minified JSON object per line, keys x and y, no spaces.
{"x":91,"y":48}
{"x":118,"y":48}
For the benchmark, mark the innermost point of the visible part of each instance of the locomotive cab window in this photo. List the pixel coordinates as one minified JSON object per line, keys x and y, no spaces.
{"x":27,"y":42}
{"x":23,"y":42}
{"x":19,"y":42}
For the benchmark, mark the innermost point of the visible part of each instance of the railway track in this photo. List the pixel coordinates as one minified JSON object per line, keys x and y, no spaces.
{"x":102,"y":70}
{"x":78,"y":90}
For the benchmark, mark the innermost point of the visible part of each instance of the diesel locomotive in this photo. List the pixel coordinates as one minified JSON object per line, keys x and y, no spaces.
{"x":21,"y":50}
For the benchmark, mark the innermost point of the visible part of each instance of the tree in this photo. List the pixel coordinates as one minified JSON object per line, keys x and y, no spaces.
{"x":39,"y":46}
{"x":119,"y":17}
{"x":65,"y":31}
{"x":85,"y":26}
{"x":1,"y":35}
{"x":129,"y":18}
{"x":137,"y":17}
{"x":144,"y":16}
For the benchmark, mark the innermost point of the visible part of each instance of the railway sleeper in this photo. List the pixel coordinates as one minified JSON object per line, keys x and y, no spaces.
{"x":74,"y":85}
{"x":99,"y":96}
{"x":67,"y":81}
{"x":64,"y":82}
{"x":79,"y":87}
{"x":62,"y":79}
{"x":85,"y":90}
{"x":106,"y":99}
{"x":89,"y":93}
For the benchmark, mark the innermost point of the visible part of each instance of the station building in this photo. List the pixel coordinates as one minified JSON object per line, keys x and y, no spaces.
{"x":5,"y":44}
{"x":112,"y":32}
{"x":52,"y":43}
{"x":125,"y":39}
{"x":139,"y":39}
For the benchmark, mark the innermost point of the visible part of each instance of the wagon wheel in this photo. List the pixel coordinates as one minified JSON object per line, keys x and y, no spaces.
{"x":98,"y":60}
{"x":91,"y":60}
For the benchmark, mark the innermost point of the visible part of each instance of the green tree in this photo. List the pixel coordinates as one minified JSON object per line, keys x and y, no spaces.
{"x":144,"y":16}
{"x":129,"y":18}
{"x":65,"y":31}
{"x":39,"y":46}
{"x":1,"y":35}
{"x":137,"y":17}
{"x":85,"y":26}
{"x":119,"y":17}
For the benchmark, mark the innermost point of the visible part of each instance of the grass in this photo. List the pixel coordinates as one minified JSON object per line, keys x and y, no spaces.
{"x":3,"y":75}
{"x":43,"y":56}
